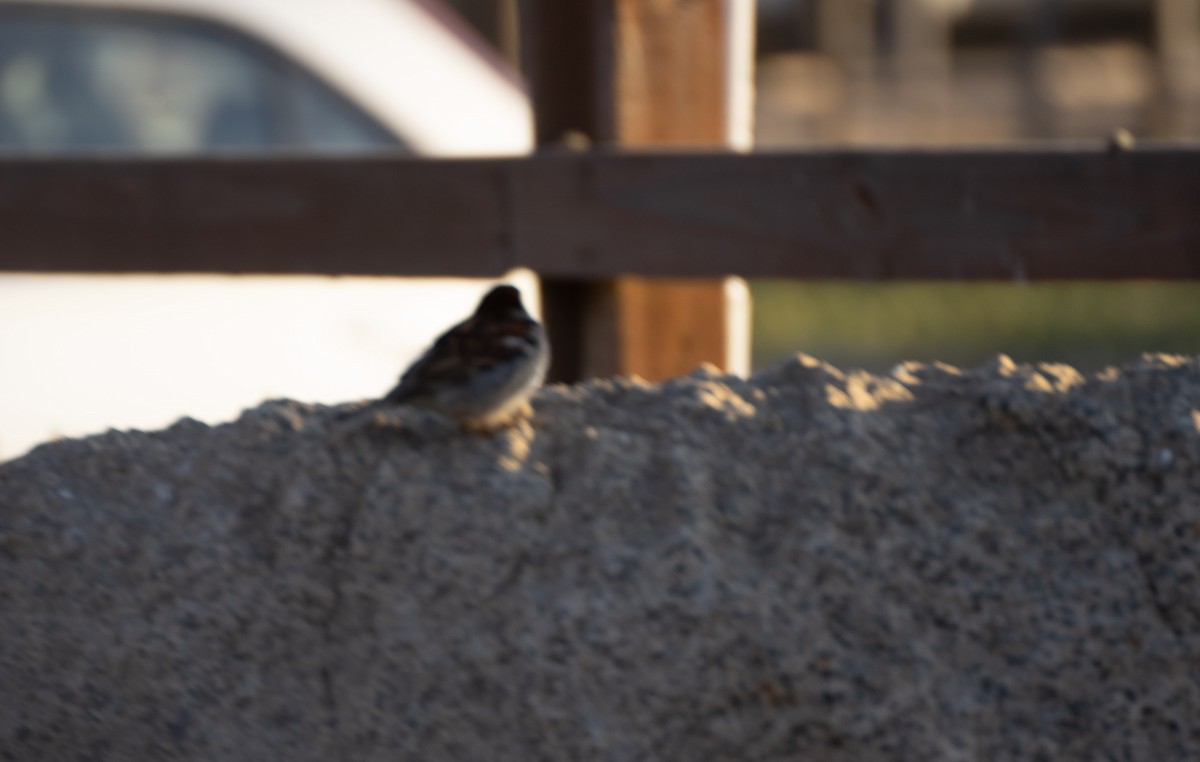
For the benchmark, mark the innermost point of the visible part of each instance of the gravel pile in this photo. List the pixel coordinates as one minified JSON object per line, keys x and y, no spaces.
{"x":993,"y":564}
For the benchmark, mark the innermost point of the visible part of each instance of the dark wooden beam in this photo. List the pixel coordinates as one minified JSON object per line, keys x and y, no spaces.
{"x":566,"y":56}
{"x":343,"y":216}
{"x":1001,"y":214}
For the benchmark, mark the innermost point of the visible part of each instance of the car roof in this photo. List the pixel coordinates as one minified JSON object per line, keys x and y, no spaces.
{"x":411,"y":64}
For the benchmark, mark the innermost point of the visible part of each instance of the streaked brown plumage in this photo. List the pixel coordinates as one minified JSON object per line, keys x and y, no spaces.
{"x":481,"y":372}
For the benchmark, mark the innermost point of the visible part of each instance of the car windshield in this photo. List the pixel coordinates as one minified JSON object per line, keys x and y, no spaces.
{"x":81,"y":80}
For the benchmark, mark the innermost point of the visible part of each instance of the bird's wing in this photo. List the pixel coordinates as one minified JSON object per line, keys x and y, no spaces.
{"x":458,"y":356}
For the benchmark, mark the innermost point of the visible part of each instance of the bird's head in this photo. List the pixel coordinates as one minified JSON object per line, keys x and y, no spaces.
{"x":501,"y":301}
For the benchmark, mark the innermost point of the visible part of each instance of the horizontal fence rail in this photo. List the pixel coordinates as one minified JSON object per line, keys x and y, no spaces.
{"x":937,"y":214}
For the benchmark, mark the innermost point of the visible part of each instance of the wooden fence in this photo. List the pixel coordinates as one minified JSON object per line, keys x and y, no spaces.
{"x":1002,"y":214}
{"x":586,"y":220}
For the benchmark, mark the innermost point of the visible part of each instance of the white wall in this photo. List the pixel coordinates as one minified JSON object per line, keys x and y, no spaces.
{"x":81,"y":354}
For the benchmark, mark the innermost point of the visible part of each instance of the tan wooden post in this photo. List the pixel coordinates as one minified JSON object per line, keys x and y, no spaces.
{"x":640,"y":73}
{"x":678,"y":82}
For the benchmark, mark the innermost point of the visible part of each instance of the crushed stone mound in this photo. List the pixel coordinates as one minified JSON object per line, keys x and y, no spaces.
{"x":995,"y":564}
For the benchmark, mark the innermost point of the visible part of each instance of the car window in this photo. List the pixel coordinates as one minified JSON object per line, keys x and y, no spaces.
{"x":80,"y":80}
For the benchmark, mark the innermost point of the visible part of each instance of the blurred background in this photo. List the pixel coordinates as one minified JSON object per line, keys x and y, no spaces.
{"x":80,"y":354}
{"x":438,"y":78}
{"x":965,"y":73}
{"x":970,"y":72}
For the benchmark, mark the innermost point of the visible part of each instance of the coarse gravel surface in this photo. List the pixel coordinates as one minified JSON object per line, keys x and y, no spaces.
{"x":935,"y":564}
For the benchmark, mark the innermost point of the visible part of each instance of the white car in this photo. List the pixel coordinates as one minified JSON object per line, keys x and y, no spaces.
{"x":137,"y":77}
{"x":252,"y":76}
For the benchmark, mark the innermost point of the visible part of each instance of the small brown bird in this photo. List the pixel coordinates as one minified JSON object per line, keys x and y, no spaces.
{"x":482,"y":372}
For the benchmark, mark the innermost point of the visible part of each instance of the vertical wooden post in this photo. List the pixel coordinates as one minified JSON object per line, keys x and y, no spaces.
{"x":670,"y":88}
{"x":1177,"y":29}
{"x":567,"y":68}
{"x":636,"y":73}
